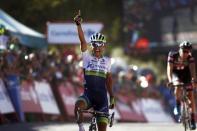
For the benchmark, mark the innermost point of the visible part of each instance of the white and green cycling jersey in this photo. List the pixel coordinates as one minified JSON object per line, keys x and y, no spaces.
{"x":95,"y":70}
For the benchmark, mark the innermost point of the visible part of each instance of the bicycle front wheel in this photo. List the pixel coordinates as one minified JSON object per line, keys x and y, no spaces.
{"x":185,"y":117}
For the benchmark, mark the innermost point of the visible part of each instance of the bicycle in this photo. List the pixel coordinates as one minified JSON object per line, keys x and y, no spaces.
{"x":185,"y":106}
{"x":93,"y":125}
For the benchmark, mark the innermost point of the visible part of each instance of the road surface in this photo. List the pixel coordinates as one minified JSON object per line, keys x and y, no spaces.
{"x":74,"y":127}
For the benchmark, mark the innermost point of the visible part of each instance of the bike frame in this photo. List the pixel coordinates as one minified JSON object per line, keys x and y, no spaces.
{"x":93,"y":125}
{"x":185,"y":106}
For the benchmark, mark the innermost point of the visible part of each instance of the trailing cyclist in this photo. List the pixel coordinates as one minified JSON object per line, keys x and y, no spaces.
{"x":98,"y":79}
{"x":181,"y":68}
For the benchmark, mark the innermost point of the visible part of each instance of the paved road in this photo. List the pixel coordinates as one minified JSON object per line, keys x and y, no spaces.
{"x":73,"y":127}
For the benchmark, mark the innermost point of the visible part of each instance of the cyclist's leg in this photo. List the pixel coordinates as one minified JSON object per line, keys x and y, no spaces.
{"x":176,"y":77}
{"x":178,"y":94}
{"x":81,"y":104}
{"x":102,"y":126}
{"x":102,"y":105}
{"x":192,"y":99}
{"x":177,"y":112}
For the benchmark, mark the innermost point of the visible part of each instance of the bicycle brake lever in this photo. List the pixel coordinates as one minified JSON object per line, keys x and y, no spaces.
{"x":112,"y":119}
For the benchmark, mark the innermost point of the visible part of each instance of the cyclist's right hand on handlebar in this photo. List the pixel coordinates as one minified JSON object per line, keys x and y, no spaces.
{"x":77,"y":18}
{"x":194,"y":83}
{"x":112,"y":102}
{"x":169,"y":84}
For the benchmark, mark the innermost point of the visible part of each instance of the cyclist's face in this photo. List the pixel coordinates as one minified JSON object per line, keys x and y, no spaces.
{"x":184,"y":53}
{"x":98,"y":49}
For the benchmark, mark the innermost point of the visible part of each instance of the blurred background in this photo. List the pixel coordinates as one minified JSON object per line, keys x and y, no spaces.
{"x":41,"y":72}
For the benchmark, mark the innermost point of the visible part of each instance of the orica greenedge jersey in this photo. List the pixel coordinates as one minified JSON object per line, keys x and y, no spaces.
{"x":95,"y":71}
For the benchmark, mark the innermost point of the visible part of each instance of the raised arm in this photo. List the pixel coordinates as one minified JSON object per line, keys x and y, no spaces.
{"x":78,"y":21}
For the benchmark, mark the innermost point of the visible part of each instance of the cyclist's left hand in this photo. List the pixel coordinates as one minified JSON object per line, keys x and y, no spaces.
{"x":169,"y":84}
{"x":112,"y":102}
{"x":194,"y":84}
{"x":77,"y":19}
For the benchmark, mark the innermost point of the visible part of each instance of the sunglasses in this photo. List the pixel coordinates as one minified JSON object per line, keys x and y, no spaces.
{"x":186,"y":51}
{"x":97,"y":44}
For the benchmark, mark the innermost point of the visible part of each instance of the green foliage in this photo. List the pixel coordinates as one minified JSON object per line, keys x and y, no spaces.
{"x":35,"y":13}
{"x":114,"y":32}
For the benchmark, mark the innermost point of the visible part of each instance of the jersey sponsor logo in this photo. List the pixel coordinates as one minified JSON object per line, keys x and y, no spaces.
{"x":93,"y":60}
{"x":180,"y":65}
{"x":95,"y":66}
{"x":102,"y":61}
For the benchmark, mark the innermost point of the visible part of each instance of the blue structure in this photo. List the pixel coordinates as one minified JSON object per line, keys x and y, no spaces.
{"x":26,"y":36}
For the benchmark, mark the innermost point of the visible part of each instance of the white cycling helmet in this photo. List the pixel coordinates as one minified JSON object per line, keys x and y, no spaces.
{"x":185,"y":45}
{"x":98,"y":38}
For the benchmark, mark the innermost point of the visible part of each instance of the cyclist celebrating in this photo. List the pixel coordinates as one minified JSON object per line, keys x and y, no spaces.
{"x":98,"y":79}
{"x":181,"y":68}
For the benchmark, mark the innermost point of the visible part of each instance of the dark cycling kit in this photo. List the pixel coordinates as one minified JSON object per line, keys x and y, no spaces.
{"x":181,"y":71}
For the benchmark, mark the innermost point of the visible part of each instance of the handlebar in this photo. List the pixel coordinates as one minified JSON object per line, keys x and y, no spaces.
{"x":95,"y":113}
{"x":185,"y":87}
{"x":178,"y":84}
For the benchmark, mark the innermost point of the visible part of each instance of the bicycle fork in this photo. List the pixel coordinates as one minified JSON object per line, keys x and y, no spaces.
{"x":186,"y":112}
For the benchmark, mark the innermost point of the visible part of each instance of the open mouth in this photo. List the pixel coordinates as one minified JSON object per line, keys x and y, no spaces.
{"x":97,"y":50}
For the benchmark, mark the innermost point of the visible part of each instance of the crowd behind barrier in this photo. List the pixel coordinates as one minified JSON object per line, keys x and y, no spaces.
{"x":41,"y":85}
{"x":143,"y":28}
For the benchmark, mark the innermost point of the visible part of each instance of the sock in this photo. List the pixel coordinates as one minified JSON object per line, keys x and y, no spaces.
{"x":81,"y":128}
{"x":193,"y":116}
{"x":178,"y":106}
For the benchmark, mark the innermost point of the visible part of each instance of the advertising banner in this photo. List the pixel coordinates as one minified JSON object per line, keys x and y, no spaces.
{"x":13,"y":86}
{"x":30,"y":101}
{"x":68,"y":98}
{"x":66,"y":33}
{"x":46,"y":98}
{"x":5,"y":102}
{"x":128,"y":114}
{"x":153,"y":111}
